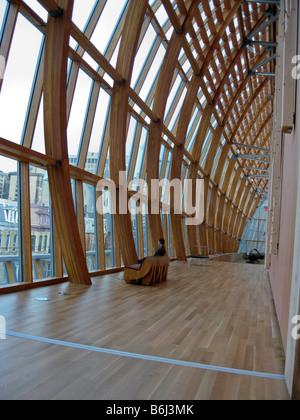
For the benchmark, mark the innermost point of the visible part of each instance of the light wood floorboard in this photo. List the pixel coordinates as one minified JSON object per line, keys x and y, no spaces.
{"x":221,"y":314}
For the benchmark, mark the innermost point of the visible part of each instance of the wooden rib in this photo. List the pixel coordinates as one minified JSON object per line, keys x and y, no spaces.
{"x":55,"y":79}
{"x":80,"y":213}
{"x":155,"y":131}
{"x":221,"y":163}
{"x":85,"y":43}
{"x":118,"y":123}
{"x":183,"y":123}
{"x":212,"y":152}
{"x":204,"y":124}
{"x":172,"y":15}
{"x":212,"y":27}
{"x":22,"y":154}
{"x":50,"y":5}
{"x":220,"y":33}
{"x":245,"y":196}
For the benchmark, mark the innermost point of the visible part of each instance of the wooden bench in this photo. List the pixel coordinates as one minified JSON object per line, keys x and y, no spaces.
{"x":152,"y":270}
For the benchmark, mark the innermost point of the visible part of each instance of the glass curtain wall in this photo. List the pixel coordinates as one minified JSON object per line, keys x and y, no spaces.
{"x":10,"y":266}
{"x":89,"y":92}
{"x":90,"y":225}
{"x":255,"y":233}
{"x":41,"y":224}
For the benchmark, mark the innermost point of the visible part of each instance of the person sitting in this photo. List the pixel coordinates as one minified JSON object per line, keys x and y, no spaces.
{"x":160,"y":252}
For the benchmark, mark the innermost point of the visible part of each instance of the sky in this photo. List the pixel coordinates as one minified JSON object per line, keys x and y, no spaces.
{"x":21,"y":67}
{"x":20,"y":71}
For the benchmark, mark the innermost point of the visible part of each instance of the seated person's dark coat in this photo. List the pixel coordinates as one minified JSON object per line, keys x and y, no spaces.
{"x":160,"y":252}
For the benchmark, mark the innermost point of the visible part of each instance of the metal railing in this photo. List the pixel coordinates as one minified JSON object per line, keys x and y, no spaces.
{"x":203,"y":251}
{"x":10,"y":268}
{"x":42,"y":266}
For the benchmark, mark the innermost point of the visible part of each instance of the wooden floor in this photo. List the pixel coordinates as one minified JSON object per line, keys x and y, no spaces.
{"x":219,"y":314}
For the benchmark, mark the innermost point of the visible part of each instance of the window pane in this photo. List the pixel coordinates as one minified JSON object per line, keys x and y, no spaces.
{"x":161,"y":159}
{"x":134,"y":221}
{"x":10,"y":271}
{"x":108,"y":229}
{"x":90,"y":226}
{"x":18,"y":79}
{"x":145,"y":228}
{"x":152,"y":73}
{"x":131,"y":134}
{"x":141,"y":154}
{"x":41,"y":229}
{"x":205,"y":148}
{"x":3,"y":5}
{"x":216,"y":161}
{"x":38,"y":142}
{"x":161,"y":15}
{"x":165,"y":198}
{"x":176,"y":113}
{"x":193,"y":129}
{"x":107,"y":168}
{"x":78,"y":112}
{"x":254,"y":236}
{"x":39,"y":10}
{"x":142,"y":53}
{"x":81,"y":12}
{"x":172,"y":94}
{"x":99,"y":127}
{"x":105,"y":27}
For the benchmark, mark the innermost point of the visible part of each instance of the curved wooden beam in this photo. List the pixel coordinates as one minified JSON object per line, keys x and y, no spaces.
{"x":227,"y":145}
{"x":202,"y":131}
{"x":118,"y":123}
{"x":221,"y":32}
{"x":159,"y":106}
{"x":176,"y":167}
{"x":249,"y":129}
{"x":193,"y":175}
{"x":213,"y":201}
{"x":221,"y":163}
{"x":204,"y":125}
{"x":55,"y":88}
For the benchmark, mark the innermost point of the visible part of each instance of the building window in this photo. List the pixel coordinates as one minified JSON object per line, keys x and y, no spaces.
{"x":9,"y":224}
{"x":41,"y":226}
